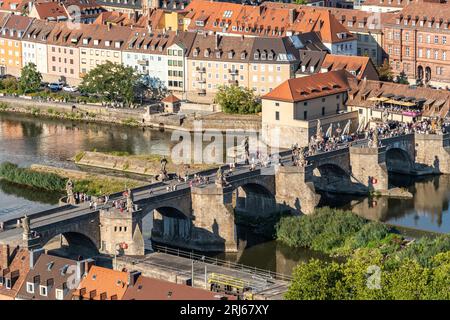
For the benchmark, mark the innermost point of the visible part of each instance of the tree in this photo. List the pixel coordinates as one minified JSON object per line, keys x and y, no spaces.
{"x":113,"y":82}
{"x":30,"y":78}
{"x":402,"y":78}
{"x":301,"y":2}
{"x":315,"y":280}
{"x":385,"y":71}
{"x":234,"y":99}
{"x":150,"y":87}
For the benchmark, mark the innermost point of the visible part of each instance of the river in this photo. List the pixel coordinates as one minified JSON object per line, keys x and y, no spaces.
{"x":26,"y":140}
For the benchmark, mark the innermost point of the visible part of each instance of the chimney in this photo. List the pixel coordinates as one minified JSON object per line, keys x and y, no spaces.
{"x":5,"y":255}
{"x":83,"y":267}
{"x":291,"y":15}
{"x":132,"y":277}
{"x":34,"y":256}
{"x":217,"y":41}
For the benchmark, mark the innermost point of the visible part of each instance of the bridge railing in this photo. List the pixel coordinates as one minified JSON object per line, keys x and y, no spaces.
{"x":267,"y":274}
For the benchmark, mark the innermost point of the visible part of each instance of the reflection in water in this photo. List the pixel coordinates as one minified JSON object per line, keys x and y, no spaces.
{"x":26,"y":140}
{"x":427,"y":210}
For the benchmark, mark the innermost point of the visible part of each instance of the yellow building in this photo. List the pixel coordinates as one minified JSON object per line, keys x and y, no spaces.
{"x":11,"y":43}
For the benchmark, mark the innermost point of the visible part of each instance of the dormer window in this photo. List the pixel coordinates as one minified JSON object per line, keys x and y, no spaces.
{"x":256,"y":55}
{"x":263,"y":55}
{"x":117,"y":44}
{"x":195,"y":53}
{"x":230,"y":54}
{"x":243,"y":55}
{"x":270,"y":55}
{"x":96,"y":42}
{"x":107,"y":43}
{"x":85,"y":41}
{"x":218,"y":54}
{"x":206,"y":53}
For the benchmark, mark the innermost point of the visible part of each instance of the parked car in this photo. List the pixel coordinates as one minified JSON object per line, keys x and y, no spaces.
{"x":70,"y":89}
{"x":55,"y":86}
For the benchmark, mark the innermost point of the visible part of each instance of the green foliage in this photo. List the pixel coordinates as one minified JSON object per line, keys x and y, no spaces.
{"x":79,"y":156}
{"x":234,"y":99}
{"x":424,"y":249}
{"x":301,"y":2}
{"x":314,"y":280}
{"x":113,"y":82}
{"x":3,"y":106}
{"x":402,"y":78}
{"x":325,"y":230}
{"x":364,"y":276}
{"x":130,"y":122}
{"x":30,"y":78}
{"x":385,"y":71}
{"x":48,"y":181}
{"x":10,"y":85}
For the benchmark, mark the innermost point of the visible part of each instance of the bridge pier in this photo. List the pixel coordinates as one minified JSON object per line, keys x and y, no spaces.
{"x":368,"y":167}
{"x":213,"y":218}
{"x":124,"y":228}
{"x":295,"y":189}
{"x":433,"y":151}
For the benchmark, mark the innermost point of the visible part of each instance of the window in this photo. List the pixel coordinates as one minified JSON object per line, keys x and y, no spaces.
{"x":59,"y":294}
{"x":323,"y":111}
{"x":43,"y":291}
{"x":277,"y":115}
{"x":30,"y":287}
{"x":305,"y":115}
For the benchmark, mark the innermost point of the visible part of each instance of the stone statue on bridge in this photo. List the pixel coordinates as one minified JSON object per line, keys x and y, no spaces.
{"x":129,"y":201}
{"x":25,"y":222}
{"x":69,"y":190}
{"x":375,"y":139}
{"x":163,"y":174}
{"x":220,"y":180}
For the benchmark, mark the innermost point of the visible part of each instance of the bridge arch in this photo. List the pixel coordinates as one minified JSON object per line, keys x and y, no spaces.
{"x":78,"y":243}
{"x":399,"y":160}
{"x":331,"y":177}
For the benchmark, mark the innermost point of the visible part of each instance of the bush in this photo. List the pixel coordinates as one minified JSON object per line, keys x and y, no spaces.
{"x":43,"y":180}
{"x":325,"y":230}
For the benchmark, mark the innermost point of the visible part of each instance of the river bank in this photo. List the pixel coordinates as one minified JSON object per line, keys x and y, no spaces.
{"x":54,"y":179}
{"x":148,"y":165}
{"x":142,"y":117}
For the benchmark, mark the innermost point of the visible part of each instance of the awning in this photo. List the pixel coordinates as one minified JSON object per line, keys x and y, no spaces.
{"x":377,"y":99}
{"x":400,"y":103}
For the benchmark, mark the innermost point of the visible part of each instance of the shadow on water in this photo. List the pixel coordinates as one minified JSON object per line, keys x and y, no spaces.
{"x":30,"y":194}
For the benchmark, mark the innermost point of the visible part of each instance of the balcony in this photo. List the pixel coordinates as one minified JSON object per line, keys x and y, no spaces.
{"x":201,"y":80}
{"x":233,"y":82}
{"x":233,"y":72}
{"x":201,"y":69}
{"x":142,"y":62}
{"x":201,"y":92}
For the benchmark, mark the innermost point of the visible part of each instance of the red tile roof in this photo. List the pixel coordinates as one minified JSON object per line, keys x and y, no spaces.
{"x":47,"y":10}
{"x":16,"y":268}
{"x":171,"y":99}
{"x":154,"y":289}
{"x":268,"y":19}
{"x":311,"y":87}
{"x":102,"y":284}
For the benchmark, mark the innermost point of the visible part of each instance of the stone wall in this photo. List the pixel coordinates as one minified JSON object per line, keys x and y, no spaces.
{"x":433,"y":151}
{"x":214,"y":220}
{"x":368,"y":167}
{"x":295,"y":189}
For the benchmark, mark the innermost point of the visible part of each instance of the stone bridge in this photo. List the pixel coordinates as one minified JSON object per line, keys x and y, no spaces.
{"x":202,"y":217}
